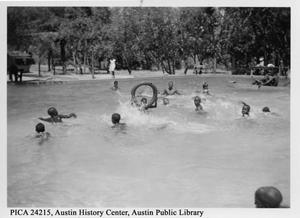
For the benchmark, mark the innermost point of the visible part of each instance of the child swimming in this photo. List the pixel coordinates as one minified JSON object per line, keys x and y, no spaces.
{"x":171,"y":90}
{"x":40,"y":132}
{"x":143,"y":105}
{"x":166,"y":101}
{"x":205,"y":88}
{"x":55,"y":117}
{"x":197,"y":102}
{"x":245,"y":109}
{"x":115,"y":86}
{"x":115,"y":119}
{"x":266,"y":109}
{"x":268,"y":197}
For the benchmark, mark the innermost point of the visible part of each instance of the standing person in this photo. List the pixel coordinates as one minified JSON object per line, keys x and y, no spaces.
{"x":13,"y":70}
{"x":253,"y":64}
{"x":261,"y":64}
{"x":112,"y":66}
{"x":282,"y":70}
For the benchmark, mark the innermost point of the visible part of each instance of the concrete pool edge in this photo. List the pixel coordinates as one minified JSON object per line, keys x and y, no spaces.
{"x":73,"y":80}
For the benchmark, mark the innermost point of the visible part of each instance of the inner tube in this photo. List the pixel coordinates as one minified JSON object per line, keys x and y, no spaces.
{"x":154,"y":90}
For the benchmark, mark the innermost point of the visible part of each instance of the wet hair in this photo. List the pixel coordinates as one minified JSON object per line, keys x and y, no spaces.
{"x":266,"y":109}
{"x":268,"y":197}
{"x":115,"y":118}
{"x":52,"y":111}
{"x":116,"y":82}
{"x":40,"y":128}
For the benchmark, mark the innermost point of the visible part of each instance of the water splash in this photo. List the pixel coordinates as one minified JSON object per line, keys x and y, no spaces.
{"x":150,"y":120}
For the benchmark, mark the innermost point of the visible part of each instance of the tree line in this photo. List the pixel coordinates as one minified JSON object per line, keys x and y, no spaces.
{"x":150,"y":37}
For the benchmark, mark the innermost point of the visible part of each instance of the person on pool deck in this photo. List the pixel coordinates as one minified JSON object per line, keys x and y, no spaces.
{"x":205,"y":88}
{"x":115,"y":86}
{"x":112,"y":66}
{"x":197,"y":102}
{"x":40,"y":132}
{"x":115,"y":119}
{"x":55,"y":117}
{"x":171,"y":90}
{"x":268,"y":197}
{"x":245,"y":109}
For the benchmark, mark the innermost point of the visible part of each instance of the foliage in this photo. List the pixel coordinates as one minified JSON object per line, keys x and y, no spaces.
{"x":142,"y":37}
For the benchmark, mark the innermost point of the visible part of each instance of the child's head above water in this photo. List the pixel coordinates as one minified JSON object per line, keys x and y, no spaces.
{"x":268,"y":197}
{"x":115,"y":118}
{"x":39,"y":128}
{"x":52,"y":111}
{"x":144,"y":100}
{"x":266,"y":109}
{"x":116,"y":83}
{"x":197,"y":101}
{"x":245,"y":109}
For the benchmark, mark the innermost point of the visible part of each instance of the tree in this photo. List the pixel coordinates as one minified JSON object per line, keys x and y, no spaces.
{"x":145,"y":37}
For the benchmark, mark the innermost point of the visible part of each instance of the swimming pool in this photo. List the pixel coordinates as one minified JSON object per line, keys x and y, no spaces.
{"x":168,"y":157}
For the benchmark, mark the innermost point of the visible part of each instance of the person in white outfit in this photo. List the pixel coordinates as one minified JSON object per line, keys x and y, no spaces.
{"x":112,"y":66}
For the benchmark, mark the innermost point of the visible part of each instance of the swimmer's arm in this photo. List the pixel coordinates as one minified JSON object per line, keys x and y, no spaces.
{"x":244,"y":103}
{"x":176,"y":92}
{"x":49,"y":119}
{"x":67,"y":116}
{"x":165,"y":92}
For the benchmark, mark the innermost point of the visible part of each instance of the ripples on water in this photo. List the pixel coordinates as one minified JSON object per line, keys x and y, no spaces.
{"x":168,"y":156}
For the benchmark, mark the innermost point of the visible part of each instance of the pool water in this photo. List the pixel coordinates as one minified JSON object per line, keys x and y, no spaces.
{"x":170,"y":156}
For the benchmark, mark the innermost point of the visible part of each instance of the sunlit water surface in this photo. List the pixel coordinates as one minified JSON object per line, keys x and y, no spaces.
{"x":168,"y":157}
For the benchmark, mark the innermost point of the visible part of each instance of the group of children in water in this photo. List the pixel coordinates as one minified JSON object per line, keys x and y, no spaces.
{"x":265,"y":197}
{"x":171,"y":90}
{"x":142,"y":106}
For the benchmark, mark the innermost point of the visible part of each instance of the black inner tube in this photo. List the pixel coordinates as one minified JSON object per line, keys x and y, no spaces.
{"x":154,"y":90}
